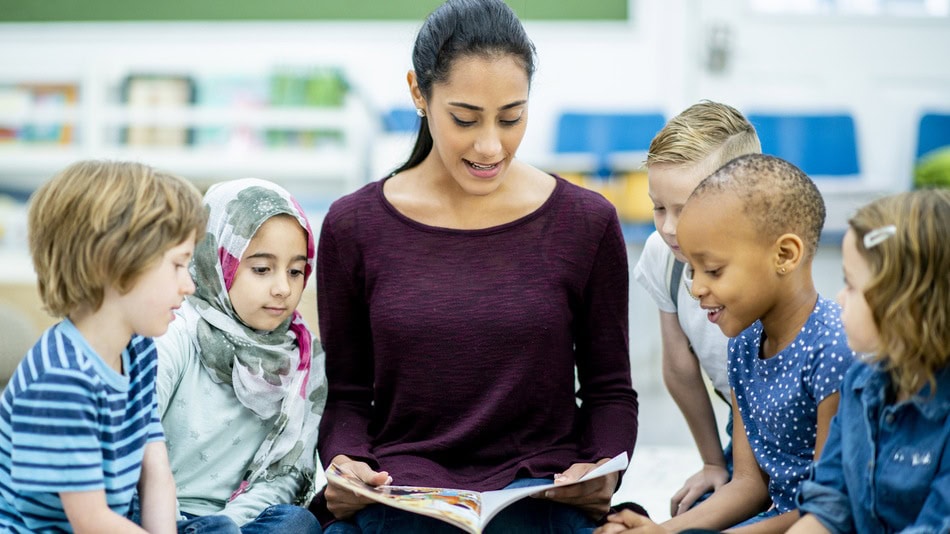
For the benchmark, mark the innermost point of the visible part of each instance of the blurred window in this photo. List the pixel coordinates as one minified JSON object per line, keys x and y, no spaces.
{"x":911,"y":8}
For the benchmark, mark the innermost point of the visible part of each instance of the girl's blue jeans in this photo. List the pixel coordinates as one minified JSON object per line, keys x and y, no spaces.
{"x":284,"y":518}
{"x":527,"y":516}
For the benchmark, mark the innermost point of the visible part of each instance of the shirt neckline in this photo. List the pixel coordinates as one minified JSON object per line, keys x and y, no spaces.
{"x":545,"y":206}
{"x":119,"y":381}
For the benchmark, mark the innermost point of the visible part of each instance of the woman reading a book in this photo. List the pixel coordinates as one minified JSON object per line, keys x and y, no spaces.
{"x":457,"y":296}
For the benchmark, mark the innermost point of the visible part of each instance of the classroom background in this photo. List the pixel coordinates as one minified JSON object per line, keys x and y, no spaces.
{"x":313,"y":95}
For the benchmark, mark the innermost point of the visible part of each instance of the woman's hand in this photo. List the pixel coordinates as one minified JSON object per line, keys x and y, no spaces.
{"x":343,"y":503}
{"x":592,"y":496}
{"x":709,"y":478}
{"x":627,"y":522}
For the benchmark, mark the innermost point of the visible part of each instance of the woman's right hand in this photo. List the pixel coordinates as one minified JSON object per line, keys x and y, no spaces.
{"x":343,"y":503}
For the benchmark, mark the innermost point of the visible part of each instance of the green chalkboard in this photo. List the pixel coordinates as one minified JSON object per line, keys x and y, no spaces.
{"x":280,"y":10}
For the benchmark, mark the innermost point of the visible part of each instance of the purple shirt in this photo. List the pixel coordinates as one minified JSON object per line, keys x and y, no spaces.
{"x":451,"y":353}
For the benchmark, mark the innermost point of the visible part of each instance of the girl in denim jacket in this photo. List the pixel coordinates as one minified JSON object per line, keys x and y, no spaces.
{"x":886,"y":463}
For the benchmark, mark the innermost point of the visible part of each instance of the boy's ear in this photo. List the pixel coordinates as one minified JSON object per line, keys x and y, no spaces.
{"x":790,"y":250}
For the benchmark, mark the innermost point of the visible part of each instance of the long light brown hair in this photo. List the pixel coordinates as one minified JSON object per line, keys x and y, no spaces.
{"x":909,"y":290}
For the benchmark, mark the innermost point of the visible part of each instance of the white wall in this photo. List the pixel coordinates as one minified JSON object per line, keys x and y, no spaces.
{"x":884,"y":69}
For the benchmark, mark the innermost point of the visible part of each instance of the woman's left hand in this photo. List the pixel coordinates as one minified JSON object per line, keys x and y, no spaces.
{"x":592,"y":496}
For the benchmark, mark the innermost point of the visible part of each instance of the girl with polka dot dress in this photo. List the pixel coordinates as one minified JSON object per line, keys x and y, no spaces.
{"x":750,"y":231}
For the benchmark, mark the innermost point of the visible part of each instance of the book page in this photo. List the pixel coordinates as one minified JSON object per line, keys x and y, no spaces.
{"x":458,"y":507}
{"x":468,"y":510}
{"x":495,"y":501}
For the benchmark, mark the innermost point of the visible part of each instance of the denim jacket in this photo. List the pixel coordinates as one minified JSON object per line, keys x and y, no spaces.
{"x":884,"y":467}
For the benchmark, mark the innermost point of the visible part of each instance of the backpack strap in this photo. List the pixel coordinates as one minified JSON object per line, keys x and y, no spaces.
{"x":676,"y":274}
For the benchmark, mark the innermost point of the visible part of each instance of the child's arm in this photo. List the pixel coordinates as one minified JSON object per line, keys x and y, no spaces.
{"x":684,"y":380}
{"x":808,"y":524}
{"x":157,"y":490}
{"x":741,"y":498}
{"x":87,"y":511}
{"x":935,"y":513}
{"x":827,"y":408}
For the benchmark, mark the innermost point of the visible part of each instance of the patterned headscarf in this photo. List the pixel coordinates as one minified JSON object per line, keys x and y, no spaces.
{"x":273,"y":373}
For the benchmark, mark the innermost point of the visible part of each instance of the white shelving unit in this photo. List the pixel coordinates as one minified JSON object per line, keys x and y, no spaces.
{"x":329,"y":168}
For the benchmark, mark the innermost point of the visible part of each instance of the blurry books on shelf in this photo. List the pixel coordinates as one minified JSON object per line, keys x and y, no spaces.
{"x":234,"y":92}
{"x":38,"y":113}
{"x":151,"y":91}
{"x":316,"y":87}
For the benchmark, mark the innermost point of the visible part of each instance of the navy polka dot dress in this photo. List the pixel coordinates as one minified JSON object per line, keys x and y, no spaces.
{"x":778,"y":397}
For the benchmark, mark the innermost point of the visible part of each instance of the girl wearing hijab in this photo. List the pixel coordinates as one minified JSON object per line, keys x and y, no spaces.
{"x":241,"y":381}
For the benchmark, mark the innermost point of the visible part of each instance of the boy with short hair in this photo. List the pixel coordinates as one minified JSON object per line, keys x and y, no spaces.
{"x":750,"y":232}
{"x":690,"y":147}
{"x":79,"y":429}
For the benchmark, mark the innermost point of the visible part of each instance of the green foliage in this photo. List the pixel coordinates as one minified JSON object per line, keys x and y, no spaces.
{"x":933,"y":169}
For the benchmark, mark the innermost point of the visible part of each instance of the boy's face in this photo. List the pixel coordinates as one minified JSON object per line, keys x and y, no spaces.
{"x":151,"y":303}
{"x":863,"y":335}
{"x":732,"y":268}
{"x":269,"y":280}
{"x":669,"y":187}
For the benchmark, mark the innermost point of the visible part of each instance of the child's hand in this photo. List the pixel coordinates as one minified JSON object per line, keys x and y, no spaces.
{"x":628,"y":522}
{"x":343,"y":503}
{"x":592,"y":496}
{"x":709,"y":478}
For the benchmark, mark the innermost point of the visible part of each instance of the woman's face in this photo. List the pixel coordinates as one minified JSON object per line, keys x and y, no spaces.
{"x":477,"y":118}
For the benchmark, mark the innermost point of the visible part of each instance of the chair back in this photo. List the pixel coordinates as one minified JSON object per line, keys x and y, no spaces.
{"x":819,"y":144}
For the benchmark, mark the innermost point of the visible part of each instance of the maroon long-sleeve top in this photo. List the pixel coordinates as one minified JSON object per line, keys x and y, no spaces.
{"x":451,"y":353}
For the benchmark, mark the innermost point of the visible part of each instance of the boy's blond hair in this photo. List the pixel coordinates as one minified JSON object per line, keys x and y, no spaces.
{"x":98,"y":224}
{"x":700,"y":130}
{"x":909,"y":290}
{"x":776,"y":195}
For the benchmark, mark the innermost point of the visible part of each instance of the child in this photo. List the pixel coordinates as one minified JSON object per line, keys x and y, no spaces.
{"x":689,"y":148}
{"x":79,"y":425}
{"x":240,"y":387}
{"x":886,"y":464}
{"x":750,"y":231}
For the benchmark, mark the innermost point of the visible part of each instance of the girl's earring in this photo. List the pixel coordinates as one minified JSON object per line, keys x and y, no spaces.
{"x":420,"y":112}
{"x":782,"y":270}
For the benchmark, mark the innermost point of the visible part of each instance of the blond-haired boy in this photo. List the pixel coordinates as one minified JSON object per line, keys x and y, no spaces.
{"x":689,"y":148}
{"x":79,"y":431}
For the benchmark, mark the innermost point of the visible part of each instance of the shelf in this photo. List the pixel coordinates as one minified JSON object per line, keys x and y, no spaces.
{"x":29,"y":166}
{"x":322,"y":166}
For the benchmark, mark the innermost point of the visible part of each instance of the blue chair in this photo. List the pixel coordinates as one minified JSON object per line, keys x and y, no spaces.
{"x":399,"y":120}
{"x":933,"y":132}
{"x":822,"y":145}
{"x":604,"y":134}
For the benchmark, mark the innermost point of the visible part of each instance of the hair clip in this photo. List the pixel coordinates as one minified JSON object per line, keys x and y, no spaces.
{"x":879,"y":235}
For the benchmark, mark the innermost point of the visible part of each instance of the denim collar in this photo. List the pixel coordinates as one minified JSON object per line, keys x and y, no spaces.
{"x":871,"y":386}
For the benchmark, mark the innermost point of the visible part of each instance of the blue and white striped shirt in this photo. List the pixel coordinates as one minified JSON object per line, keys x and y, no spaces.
{"x":69,"y":422}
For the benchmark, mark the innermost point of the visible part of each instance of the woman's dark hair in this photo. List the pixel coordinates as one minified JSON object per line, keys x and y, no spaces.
{"x":462,"y":28}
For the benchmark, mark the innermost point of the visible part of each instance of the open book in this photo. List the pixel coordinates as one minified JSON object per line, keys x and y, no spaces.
{"x":468,"y":510}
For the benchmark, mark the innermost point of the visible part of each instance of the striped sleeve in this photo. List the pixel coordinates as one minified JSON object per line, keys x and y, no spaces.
{"x":55,"y":444}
